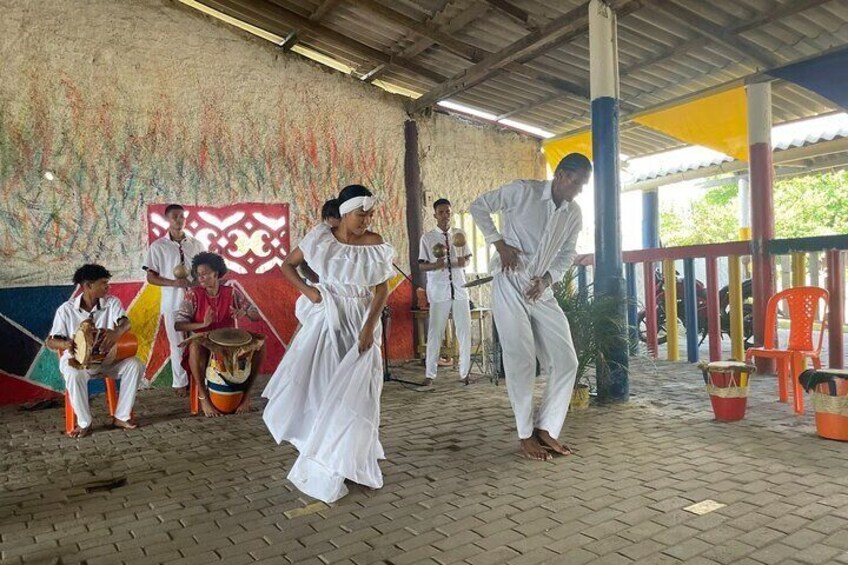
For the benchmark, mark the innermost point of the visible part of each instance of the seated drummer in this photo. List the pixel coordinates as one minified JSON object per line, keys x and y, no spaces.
{"x":214,"y":304}
{"x":107,"y":313}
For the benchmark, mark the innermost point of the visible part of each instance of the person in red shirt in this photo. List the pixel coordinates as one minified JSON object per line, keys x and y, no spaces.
{"x":211,"y":305}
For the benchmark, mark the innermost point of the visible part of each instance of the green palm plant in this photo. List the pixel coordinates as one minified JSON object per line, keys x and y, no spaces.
{"x":596,"y":327}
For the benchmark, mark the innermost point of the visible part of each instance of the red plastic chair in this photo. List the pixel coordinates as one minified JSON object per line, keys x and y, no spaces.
{"x":803,"y":306}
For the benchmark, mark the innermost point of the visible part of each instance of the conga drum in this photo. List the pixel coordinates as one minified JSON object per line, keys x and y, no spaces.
{"x":727,"y":384}
{"x":231,"y":352}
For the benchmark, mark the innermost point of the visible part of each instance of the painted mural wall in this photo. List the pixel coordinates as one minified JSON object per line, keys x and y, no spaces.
{"x":110,"y":106}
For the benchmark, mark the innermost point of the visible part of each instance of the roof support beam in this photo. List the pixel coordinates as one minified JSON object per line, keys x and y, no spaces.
{"x":566,"y":27}
{"x":469,"y":52}
{"x":513,"y":12}
{"x":717,"y":33}
{"x":322,"y":10}
{"x":276,"y":19}
{"x":782,"y":11}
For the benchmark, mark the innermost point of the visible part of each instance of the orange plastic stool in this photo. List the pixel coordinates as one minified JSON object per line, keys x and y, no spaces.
{"x":111,"y":403}
{"x":803,"y":302}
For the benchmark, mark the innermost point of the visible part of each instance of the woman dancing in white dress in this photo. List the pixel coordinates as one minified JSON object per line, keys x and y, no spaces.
{"x":324,"y":397}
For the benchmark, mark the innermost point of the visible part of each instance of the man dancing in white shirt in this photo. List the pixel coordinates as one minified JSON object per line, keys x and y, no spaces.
{"x":446,"y":291}
{"x":541,"y":223}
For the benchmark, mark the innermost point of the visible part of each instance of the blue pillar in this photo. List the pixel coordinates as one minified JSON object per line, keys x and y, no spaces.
{"x":690,"y":304}
{"x":582,"y":283}
{"x":612,"y":372}
{"x":650,"y":219}
{"x":632,"y":309}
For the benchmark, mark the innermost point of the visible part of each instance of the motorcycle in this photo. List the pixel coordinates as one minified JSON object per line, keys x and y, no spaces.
{"x":701,"y":293}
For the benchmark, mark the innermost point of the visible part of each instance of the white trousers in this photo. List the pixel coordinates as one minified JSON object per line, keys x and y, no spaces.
{"x":129,"y":372}
{"x":437,"y":320}
{"x":527,"y":331}
{"x":174,"y":339}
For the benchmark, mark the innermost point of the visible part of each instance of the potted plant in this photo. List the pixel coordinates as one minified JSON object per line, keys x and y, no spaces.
{"x":596,"y":329}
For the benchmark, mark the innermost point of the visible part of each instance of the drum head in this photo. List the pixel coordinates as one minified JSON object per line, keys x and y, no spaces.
{"x":82,"y":350}
{"x":230,"y":337}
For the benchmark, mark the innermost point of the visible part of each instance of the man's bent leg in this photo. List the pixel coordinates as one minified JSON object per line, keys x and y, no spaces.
{"x":76,"y":385}
{"x":462,"y":323}
{"x":437,"y":321}
{"x":129,"y":372}
{"x":180,"y":377}
{"x":519,"y":352}
{"x":553,"y":335}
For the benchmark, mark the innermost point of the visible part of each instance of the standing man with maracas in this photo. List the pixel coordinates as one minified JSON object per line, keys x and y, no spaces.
{"x":443,"y":255}
{"x":168,"y":264}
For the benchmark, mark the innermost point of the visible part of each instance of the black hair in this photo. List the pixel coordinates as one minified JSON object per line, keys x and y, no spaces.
{"x":171,"y":207}
{"x":211,"y":260}
{"x":91,"y":272}
{"x":330,"y":209}
{"x":574,"y":162}
{"x":440,"y":202}
{"x":352,"y":191}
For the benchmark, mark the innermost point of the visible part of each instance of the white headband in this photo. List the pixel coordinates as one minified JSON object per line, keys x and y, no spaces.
{"x":364,"y":202}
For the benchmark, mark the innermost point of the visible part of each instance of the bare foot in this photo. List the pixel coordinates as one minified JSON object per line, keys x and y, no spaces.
{"x":549,"y":442}
{"x":531,"y":449}
{"x":79,"y":432}
{"x":244,"y":406}
{"x":124,"y":424}
{"x":208,"y":410}
{"x":182,"y":391}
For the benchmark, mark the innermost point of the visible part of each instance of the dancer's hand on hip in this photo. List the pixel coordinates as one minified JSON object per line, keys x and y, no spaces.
{"x":509,"y":255}
{"x":366,"y":338}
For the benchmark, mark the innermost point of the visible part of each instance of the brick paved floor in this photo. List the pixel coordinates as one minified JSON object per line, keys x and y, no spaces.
{"x":189,"y":490}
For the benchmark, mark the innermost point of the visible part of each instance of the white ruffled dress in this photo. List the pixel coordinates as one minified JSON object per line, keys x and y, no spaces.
{"x":324,"y":397}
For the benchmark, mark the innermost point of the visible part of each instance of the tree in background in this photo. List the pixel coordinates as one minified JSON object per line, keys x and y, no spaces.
{"x":803,"y":207}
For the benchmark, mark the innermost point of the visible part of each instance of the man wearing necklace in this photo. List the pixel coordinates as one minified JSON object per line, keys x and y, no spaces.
{"x":212,"y":305}
{"x":107,"y":313}
{"x":446,"y":291}
{"x":167,"y":264}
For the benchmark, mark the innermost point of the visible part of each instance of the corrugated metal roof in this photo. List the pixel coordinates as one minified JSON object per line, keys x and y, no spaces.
{"x":784,"y":138}
{"x":667,"y":48}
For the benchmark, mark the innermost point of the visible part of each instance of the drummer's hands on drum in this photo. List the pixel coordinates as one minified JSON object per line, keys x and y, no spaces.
{"x":366,"y":338}
{"x":509,"y":255}
{"x":209,"y":317}
{"x":238,"y":312}
{"x":313,"y":294}
{"x":110,"y":338}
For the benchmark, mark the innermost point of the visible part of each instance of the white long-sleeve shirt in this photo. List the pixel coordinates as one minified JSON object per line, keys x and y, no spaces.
{"x":530,"y":220}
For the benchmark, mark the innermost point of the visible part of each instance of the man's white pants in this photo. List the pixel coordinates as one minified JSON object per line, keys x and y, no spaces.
{"x":174,"y":339}
{"x":527,"y":331}
{"x":128,"y":371}
{"x":438,"y":319}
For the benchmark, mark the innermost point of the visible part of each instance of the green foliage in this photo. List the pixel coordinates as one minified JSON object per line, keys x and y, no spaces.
{"x":804,"y":207}
{"x":596,"y":324}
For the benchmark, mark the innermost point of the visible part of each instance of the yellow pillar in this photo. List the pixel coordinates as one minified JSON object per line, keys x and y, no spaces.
{"x":670,"y":288}
{"x":799,"y":269}
{"x":737,"y":328}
